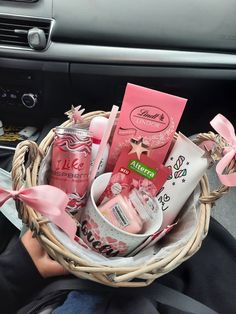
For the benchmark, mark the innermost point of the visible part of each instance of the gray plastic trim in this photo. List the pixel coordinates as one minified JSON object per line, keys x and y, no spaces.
{"x":123,"y":55}
{"x":157,"y":24}
{"x":165,"y":72}
{"x":41,"y":9}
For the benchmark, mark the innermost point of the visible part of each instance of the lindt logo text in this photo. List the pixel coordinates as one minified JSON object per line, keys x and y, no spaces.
{"x":149,"y":119}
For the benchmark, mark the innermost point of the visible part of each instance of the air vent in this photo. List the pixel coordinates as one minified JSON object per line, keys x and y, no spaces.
{"x":14,"y":31}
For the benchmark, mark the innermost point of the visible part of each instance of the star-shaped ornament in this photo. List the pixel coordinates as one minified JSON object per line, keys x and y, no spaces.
{"x":213,"y":152}
{"x":213,"y":149}
{"x":138,"y":147}
{"x":75,"y":114}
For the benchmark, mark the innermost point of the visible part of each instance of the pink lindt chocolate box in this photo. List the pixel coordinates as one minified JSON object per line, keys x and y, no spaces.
{"x":149,"y":114}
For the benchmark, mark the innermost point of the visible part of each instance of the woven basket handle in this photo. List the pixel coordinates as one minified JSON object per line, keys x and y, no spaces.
{"x":25,"y":155}
{"x":220,"y":144}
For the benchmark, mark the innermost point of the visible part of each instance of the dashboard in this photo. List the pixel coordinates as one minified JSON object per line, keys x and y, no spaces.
{"x":55,"y":53}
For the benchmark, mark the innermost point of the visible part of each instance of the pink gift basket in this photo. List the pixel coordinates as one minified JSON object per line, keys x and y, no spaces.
{"x":101,"y":251}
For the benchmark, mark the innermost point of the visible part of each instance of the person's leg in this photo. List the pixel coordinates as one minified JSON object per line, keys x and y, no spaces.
{"x":8,"y":233}
{"x":209,"y":276}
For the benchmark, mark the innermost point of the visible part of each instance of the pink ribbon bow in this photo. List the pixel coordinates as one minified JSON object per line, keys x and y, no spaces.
{"x":48,"y":201}
{"x":226,"y":130}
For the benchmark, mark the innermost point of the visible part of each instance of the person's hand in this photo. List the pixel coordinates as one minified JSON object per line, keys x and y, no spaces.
{"x":45,"y":265}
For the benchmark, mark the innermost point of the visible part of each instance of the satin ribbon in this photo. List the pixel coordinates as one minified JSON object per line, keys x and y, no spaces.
{"x":225,"y":130}
{"x":49,"y":201}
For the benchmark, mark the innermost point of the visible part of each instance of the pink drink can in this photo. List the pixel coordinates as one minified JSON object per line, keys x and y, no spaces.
{"x":71,"y":155}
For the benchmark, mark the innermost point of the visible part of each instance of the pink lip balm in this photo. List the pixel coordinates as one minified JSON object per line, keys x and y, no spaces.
{"x":122,"y":214}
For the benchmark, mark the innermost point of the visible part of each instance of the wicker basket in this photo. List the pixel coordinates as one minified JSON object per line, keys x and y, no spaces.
{"x":26,"y":164}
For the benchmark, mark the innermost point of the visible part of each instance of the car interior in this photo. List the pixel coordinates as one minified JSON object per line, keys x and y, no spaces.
{"x":56,"y":53}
